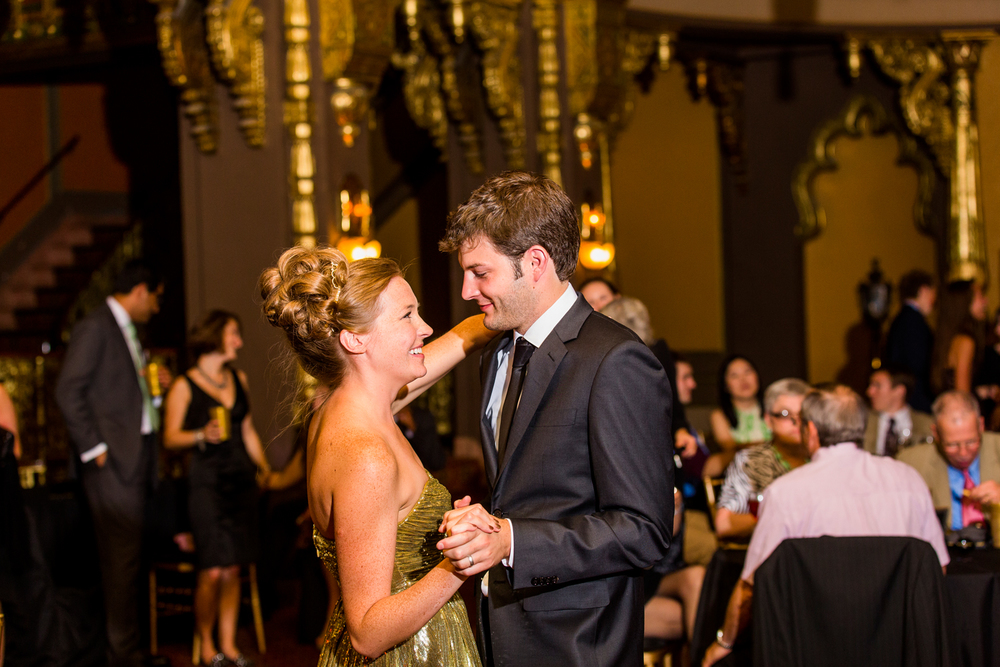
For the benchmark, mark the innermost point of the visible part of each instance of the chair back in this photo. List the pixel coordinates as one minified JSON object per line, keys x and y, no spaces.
{"x":713,"y":487}
{"x":851,"y":601}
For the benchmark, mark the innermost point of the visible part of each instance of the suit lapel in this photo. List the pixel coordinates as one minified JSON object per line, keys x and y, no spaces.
{"x":541,"y":369}
{"x":488,"y":377}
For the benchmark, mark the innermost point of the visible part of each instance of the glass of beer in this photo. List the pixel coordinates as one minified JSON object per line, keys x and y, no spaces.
{"x":153,"y":379}
{"x":994,"y":515}
{"x":221,"y":415}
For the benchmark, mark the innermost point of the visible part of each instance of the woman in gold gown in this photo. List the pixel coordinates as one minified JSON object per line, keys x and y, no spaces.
{"x":355,"y":328}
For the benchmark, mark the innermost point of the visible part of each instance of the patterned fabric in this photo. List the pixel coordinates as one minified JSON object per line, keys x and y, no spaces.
{"x":446,"y":639}
{"x":751,"y":471}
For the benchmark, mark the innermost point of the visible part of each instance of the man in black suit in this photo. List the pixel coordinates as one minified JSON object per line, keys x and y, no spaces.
{"x":576,"y":438}
{"x":112,"y":423}
{"x":911,"y":341}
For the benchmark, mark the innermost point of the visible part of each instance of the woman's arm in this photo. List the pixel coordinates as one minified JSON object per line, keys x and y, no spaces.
{"x":363,"y":477}
{"x":731,"y":524}
{"x":961,"y":354}
{"x":174,"y":410}
{"x":722,"y":431}
{"x":444,"y":353}
{"x":251,"y":440}
{"x":8,"y":419}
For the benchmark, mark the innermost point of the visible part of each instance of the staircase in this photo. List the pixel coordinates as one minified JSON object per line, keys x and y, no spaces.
{"x":83,"y":230}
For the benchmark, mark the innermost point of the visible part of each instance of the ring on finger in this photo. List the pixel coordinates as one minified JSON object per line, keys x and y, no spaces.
{"x":471,"y":562}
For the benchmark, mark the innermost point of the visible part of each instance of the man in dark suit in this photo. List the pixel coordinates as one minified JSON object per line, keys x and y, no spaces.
{"x":576,"y":438}
{"x":112,"y":423}
{"x":911,"y":341}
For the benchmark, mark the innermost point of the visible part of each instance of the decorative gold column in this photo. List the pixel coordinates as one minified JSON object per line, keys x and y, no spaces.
{"x":966,"y":233}
{"x":298,"y":121}
{"x":422,"y":80}
{"x":546,"y":24}
{"x":937,"y":97}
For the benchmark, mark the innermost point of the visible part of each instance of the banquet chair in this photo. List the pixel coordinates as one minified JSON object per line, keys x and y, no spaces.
{"x":713,"y":489}
{"x":851,"y":601}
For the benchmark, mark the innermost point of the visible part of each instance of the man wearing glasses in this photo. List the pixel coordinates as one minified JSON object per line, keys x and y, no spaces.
{"x":963,"y":469}
{"x":754,"y":468}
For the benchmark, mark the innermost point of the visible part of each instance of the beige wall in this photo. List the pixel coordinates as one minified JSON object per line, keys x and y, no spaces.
{"x":665,"y":182}
{"x":869,"y":205}
{"x":988,"y":98}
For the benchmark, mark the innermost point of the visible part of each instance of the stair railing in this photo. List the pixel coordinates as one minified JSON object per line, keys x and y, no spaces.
{"x":39,"y":176}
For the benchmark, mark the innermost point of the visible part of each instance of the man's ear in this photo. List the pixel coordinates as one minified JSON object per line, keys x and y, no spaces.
{"x":352,"y":342}
{"x":538,"y":260}
{"x":140,"y":291}
{"x":934,"y":430}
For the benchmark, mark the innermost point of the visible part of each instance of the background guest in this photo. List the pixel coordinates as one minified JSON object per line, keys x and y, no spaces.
{"x":673,"y":588}
{"x":987,"y":380}
{"x":754,"y":468}
{"x":222,"y":498}
{"x":113,"y":423}
{"x":739,"y":420}
{"x":420,"y":428}
{"x":598,"y":292}
{"x":843,"y":492}
{"x":959,"y":346}
{"x":962,"y":470}
{"x":910,"y":341}
{"x":892,"y":425}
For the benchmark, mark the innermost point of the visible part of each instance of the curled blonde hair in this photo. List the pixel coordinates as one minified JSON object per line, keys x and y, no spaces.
{"x":313,"y":294}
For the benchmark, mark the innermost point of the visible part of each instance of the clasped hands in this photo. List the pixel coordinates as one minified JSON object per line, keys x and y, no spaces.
{"x":475,"y":540}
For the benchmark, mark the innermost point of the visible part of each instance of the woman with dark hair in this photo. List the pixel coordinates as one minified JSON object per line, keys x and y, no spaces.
{"x":738,"y":422}
{"x":207,"y":410}
{"x":958,"y":349}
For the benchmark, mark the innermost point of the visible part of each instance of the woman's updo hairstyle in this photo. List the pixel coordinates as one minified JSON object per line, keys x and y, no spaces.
{"x":314,"y":294}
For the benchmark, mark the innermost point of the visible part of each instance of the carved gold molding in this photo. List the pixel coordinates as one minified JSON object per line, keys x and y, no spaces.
{"x":234,"y":30}
{"x":181,"y":40}
{"x":494,"y":24}
{"x":546,"y":24}
{"x":298,"y":121}
{"x":422,"y":81}
{"x":722,"y":84}
{"x":862,"y":116}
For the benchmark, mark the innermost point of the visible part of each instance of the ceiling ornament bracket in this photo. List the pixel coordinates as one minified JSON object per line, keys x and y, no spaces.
{"x":580,"y":38}
{"x":298,"y":118}
{"x":862,"y":116}
{"x":357,"y":39}
{"x":722,"y":84}
{"x":234,"y":32}
{"x":181,"y":41}
{"x":494,"y":24}
{"x":422,"y":81}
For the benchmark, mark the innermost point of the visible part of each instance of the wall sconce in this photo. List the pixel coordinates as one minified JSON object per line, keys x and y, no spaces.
{"x":596,"y":250}
{"x":355,"y":223}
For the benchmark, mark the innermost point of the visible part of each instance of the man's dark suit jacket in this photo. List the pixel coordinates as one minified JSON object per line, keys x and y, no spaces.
{"x":587,"y":481}
{"x":909,"y":345}
{"x":99,"y":395}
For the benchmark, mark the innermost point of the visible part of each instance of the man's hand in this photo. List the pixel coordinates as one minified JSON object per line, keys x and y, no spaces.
{"x":987,"y":492}
{"x":101,"y":459}
{"x":685,"y":443}
{"x":714,"y":654}
{"x":475,"y":540}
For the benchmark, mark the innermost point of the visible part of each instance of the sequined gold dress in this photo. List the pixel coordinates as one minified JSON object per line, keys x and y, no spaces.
{"x":446,"y":639}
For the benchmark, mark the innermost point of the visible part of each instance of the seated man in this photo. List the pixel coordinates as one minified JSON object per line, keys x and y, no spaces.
{"x":843,"y":492}
{"x":754,"y":468}
{"x":892,"y":424}
{"x":963,"y":469}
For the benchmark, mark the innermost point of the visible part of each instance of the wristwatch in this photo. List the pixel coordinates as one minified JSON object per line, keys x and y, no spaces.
{"x":721,"y":642}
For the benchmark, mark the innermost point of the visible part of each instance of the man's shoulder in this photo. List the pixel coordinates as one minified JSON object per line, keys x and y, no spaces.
{"x":921,"y":456}
{"x":601,"y":329}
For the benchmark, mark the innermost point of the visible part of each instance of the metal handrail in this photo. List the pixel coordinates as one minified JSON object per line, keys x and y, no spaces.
{"x":67,"y":148}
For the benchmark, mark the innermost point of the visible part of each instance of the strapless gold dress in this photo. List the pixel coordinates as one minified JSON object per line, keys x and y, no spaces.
{"x":446,"y":639}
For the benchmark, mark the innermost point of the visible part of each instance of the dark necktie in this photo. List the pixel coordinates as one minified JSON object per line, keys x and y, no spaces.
{"x":519,"y":360}
{"x":891,"y":439}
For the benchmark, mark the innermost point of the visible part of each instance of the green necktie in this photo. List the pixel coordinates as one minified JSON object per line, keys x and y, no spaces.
{"x":147,"y":400}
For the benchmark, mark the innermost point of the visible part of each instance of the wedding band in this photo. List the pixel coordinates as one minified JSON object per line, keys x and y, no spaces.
{"x":471,"y":562}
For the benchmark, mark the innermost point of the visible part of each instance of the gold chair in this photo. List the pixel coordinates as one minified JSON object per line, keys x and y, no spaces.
{"x":660,"y":652}
{"x":713,"y":488}
{"x":176,"y":596}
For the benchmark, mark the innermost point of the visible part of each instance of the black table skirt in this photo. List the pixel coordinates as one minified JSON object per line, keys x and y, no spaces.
{"x":973,"y":585}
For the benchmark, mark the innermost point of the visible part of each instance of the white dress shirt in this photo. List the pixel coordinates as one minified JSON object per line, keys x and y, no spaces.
{"x":904,"y":427}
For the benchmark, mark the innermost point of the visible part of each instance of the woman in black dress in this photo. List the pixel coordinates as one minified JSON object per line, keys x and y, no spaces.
{"x":222,"y":482}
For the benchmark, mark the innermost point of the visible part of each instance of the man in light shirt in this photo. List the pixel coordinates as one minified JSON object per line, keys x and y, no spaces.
{"x":576,"y":440}
{"x":112,"y":422}
{"x":843,"y":492}
{"x":892,"y":424}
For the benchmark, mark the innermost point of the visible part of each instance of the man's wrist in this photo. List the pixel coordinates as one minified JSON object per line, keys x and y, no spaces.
{"x":93,"y":452}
